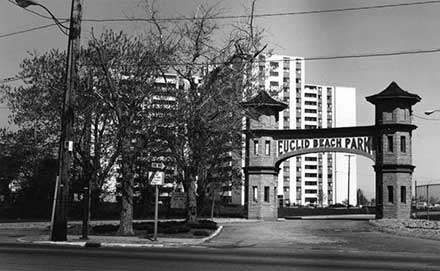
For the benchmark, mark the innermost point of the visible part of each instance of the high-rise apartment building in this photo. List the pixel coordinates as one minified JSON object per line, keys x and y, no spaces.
{"x":318,"y":178}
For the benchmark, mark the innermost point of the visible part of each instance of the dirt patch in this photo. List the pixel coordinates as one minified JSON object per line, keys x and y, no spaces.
{"x":417,"y":228}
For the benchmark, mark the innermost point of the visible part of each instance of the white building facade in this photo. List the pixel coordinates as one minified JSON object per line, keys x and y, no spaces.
{"x":318,"y":178}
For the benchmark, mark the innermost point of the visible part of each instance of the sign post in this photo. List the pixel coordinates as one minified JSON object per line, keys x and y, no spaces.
{"x":157,"y":178}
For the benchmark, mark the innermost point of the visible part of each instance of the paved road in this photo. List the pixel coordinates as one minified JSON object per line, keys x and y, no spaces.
{"x":19,"y":258}
{"x":318,"y":235}
{"x":278,"y":245}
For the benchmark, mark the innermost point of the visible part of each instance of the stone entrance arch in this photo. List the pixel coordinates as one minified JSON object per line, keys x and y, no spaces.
{"x":387,"y":143}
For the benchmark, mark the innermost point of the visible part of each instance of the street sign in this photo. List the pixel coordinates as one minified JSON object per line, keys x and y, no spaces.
{"x":158,"y":165}
{"x":158,"y":178}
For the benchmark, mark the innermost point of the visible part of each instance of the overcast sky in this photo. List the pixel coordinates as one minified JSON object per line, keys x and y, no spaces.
{"x":325,"y":34}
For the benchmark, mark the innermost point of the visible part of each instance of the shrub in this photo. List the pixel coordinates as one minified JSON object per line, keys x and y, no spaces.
{"x":204,"y":224}
{"x":201,"y":233}
{"x":175,"y":229}
{"x":103,"y":229}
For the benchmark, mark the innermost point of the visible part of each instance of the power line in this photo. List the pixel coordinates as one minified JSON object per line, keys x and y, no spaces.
{"x":270,"y":14}
{"x":11,"y":79}
{"x":364,"y":55}
{"x":28,"y":30}
{"x":228,"y":16}
{"x":423,"y":118}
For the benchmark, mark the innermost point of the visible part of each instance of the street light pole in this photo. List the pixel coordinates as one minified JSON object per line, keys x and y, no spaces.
{"x":429,"y":112}
{"x":59,"y":229}
{"x":65,"y":154}
{"x":348,"y":181}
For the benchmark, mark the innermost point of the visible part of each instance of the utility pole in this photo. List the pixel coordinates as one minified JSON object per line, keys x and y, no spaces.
{"x":427,"y":201}
{"x":348,"y":181}
{"x":59,"y":229}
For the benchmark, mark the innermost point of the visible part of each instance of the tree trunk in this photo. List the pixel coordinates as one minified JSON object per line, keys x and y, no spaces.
{"x":192,"y":201}
{"x":126,"y":219}
{"x":213,"y":205}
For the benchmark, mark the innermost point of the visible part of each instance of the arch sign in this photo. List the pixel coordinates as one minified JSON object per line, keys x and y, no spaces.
{"x":393,"y":165}
{"x":360,"y":145}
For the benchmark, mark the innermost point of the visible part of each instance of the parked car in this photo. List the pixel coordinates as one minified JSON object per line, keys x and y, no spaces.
{"x":337,"y":205}
{"x":421,"y":205}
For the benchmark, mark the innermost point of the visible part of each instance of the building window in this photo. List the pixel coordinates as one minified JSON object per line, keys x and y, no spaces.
{"x":311,"y":167}
{"x":308,"y":158}
{"x":266,"y":193}
{"x":267,"y":147}
{"x":390,"y":143}
{"x":390,"y":194}
{"x":311,"y":175}
{"x":310,"y":110}
{"x":310,"y":183}
{"x":310,"y":103}
{"x":255,"y":193}
{"x":310,"y":191}
{"x":311,"y":95}
{"x":310,"y":118}
{"x":403,"y":194}
{"x":388,"y":115}
{"x":255,"y":147}
{"x":403,"y":144}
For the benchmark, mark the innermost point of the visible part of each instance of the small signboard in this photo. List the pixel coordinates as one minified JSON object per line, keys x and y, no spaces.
{"x":178,"y":200}
{"x":158,"y":165}
{"x":158,"y":178}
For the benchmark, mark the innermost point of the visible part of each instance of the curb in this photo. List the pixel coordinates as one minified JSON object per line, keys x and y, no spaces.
{"x":332,"y":217}
{"x":214,"y":234}
{"x":130,"y":245}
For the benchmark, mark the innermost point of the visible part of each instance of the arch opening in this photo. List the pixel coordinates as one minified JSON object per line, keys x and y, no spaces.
{"x":288,"y":155}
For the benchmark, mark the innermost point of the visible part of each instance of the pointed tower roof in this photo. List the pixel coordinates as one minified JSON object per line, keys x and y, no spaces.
{"x":263,"y":99}
{"x":393,"y":91}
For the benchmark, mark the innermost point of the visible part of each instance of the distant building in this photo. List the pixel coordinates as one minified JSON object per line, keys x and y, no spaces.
{"x":319,"y":178}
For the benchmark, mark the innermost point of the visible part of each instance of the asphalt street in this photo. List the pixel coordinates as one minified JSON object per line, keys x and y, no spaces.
{"x":65,"y":258}
{"x":276,"y":245}
{"x":319,"y":235}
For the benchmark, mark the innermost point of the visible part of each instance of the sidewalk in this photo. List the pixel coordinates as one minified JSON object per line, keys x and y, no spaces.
{"x":334,"y":217}
{"x":119,"y":241}
{"x":38,"y":233}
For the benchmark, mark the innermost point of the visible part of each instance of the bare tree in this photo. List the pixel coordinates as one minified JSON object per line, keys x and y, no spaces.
{"x":128,"y":70}
{"x":217,"y":76}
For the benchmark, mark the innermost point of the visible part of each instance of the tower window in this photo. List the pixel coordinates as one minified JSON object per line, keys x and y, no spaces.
{"x":390,"y":194}
{"x":390,"y":143}
{"x":266,"y":193}
{"x":255,"y":193}
{"x":255,"y":147}
{"x":403,"y":194}
{"x":267,"y":147}
{"x":403,"y":144}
